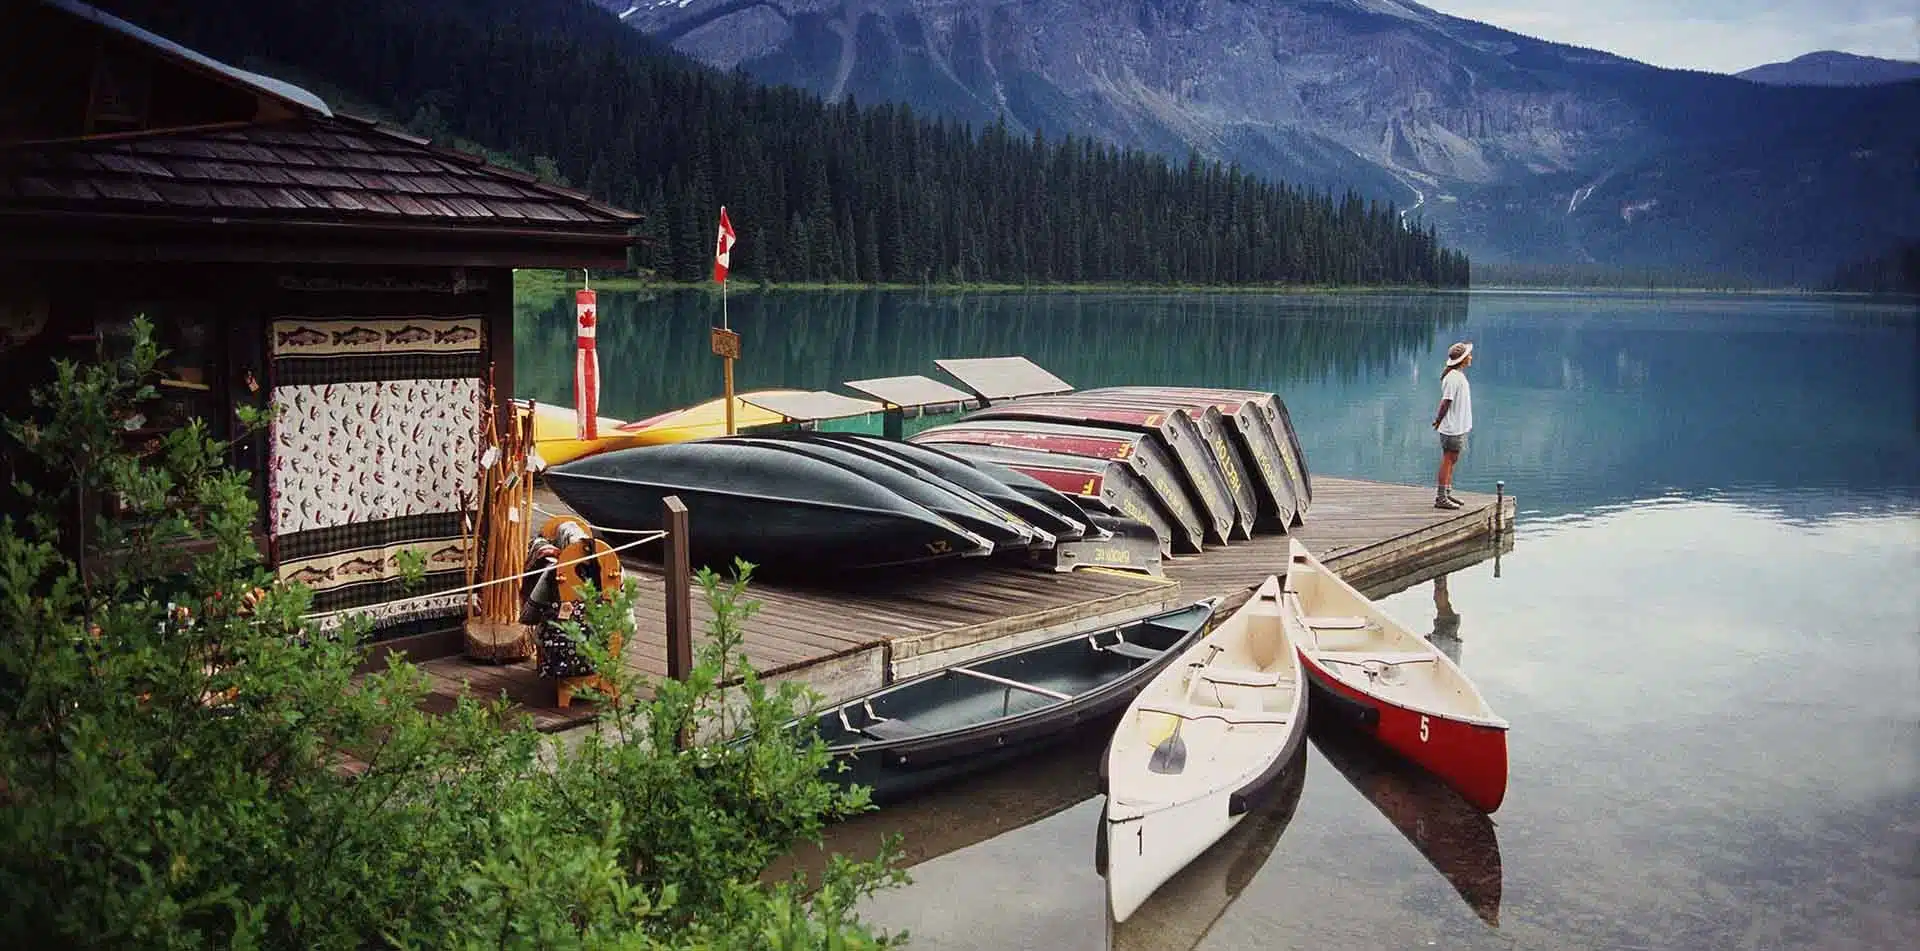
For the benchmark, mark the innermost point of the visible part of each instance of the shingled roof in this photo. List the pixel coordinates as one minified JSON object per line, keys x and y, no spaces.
{"x":337,"y":169}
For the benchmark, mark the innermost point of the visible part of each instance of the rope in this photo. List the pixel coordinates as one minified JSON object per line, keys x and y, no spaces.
{"x":650,"y":537}
{"x":602,"y":529}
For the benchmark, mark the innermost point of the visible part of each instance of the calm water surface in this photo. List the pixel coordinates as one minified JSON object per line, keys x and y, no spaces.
{"x":1706,"y":635}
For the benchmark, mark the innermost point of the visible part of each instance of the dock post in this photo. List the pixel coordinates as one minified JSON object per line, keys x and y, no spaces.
{"x":679,"y":583}
{"x":1499,"y":504}
{"x":894,"y":424}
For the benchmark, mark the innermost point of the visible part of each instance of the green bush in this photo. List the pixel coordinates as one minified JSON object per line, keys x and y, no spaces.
{"x":181,"y":767}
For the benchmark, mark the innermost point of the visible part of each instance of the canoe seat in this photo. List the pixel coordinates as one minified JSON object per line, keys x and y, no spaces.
{"x":1385,"y":658}
{"x":1200,"y":711}
{"x":1240,"y":677}
{"x":891,"y":729}
{"x":1135,"y":651}
{"x":1335,"y":623}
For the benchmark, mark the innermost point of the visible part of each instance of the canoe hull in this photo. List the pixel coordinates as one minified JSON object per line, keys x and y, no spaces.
{"x":1138,"y":451}
{"x":555,"y":437}
{"x":1275,"y":417}
{"x":1395,"y":685}
{"x":1059,"y":518}
{"x":1179,"y":435}
{"x":1470,"y":757}
{"x":1259,"y":446}
{"x":1097,"y":485}
{"x":969,"y":724}
{"x":703,"y":420}
{"x":1200,"y":745}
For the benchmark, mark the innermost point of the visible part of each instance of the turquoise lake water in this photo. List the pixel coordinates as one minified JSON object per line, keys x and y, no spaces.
{"x":1706,"y":635}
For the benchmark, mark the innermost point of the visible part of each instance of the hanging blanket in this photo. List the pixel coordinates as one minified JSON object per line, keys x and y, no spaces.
{"x":375,"y":453}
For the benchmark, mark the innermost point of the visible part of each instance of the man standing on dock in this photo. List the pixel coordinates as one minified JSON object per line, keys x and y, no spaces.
{"x":1453,"y":420}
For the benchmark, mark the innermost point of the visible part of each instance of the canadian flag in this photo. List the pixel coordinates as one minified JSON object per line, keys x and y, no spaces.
{"x":586,"y":368}
{"x":723,"y":249}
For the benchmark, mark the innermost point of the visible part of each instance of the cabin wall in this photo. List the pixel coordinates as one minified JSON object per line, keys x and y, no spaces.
{"x":380,"y":377}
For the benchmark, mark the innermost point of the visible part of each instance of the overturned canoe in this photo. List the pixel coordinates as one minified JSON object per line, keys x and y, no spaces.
{"x":1095,"y":484}
{"x":1255,"y":442}
{"x":1273,"y":415}
{"x":951,"y":722}
{"x":1177,"y":432}
{"x":703,"y":420}
{"x":1058,"y":516}
{"x":557,"y":440}
{"x":1004,"y":530}
{"x":785,"y":512}
{"x":1137,"y":449}
{"x":1215,"y":433}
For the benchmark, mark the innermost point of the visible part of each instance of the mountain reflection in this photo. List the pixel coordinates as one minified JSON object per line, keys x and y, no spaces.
{"x":654,"y":346}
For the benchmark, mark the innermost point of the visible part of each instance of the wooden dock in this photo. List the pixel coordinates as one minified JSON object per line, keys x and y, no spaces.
{"x":1379,"y":536}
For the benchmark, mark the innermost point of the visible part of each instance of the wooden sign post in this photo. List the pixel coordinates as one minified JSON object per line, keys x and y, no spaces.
{"x":726,"y":346}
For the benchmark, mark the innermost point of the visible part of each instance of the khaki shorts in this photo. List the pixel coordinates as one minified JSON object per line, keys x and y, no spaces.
{"x":1454,"y":444}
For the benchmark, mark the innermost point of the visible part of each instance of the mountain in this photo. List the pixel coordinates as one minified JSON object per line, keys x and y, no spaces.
{"x":1517,"y":149}
{"x":1833,"y":68}
{"x":817,"y":193}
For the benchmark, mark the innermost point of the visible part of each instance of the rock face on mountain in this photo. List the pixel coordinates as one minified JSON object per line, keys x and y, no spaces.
{"x":1833,"y":68}
{"x":1517,"y":149}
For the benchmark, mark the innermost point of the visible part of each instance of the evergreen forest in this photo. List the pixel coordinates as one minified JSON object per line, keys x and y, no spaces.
{"x":816,"y":192}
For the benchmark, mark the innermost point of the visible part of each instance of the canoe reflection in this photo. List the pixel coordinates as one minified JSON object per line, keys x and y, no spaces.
{"x":1180,"y":912}
{"x":1456,"y":838}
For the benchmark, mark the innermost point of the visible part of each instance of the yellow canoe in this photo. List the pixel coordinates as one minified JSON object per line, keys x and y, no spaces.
{"x":702,"y":420}
{"x":554,"y":435}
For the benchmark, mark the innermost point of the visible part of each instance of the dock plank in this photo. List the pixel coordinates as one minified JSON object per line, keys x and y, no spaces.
{"x":847,"y":640}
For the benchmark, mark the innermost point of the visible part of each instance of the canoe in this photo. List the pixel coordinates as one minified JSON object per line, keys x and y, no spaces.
{"x":947,"y":723}
{"x":555,"y":435}
{"x":1179,"y":435}
{"x":1199,"y":745}
{"x":1459,"y":841}
{"x":1120,"y":542}
{"x":1058,"y":516}
{"x":1137,"y":449}
{"x":1006,"y":531}
{"x":1097,"y":485}
{"x":703,"y":420}
{"x":1275,"y":418}
{"x":1255,"y":442}
{"x":784,"y":512}
{"x":1395,"y":685}
{"x":1215,"y":434}
{"x":1184,"y":909}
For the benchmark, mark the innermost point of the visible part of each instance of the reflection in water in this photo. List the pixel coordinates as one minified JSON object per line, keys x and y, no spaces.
{"x":1456,"y":838}
{"x":1446,"y":621}
{"x":654,"y":347}
{"x":978,"y":807}
{"x":1178,"y":915}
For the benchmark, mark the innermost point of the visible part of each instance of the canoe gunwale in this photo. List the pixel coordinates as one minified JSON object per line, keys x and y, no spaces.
{"x":936,"y":747}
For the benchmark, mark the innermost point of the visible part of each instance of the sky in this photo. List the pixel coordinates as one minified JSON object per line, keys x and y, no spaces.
{"x":1721,"y":36}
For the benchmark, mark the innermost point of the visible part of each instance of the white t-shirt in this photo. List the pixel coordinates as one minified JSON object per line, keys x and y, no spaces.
{"x":1459,"y":417}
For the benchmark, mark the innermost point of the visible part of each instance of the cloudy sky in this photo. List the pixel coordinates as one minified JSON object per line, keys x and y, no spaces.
{"x":1718,"y":35}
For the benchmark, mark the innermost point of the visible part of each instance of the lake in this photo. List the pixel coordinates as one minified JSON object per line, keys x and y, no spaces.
{"x":1706,"y":635}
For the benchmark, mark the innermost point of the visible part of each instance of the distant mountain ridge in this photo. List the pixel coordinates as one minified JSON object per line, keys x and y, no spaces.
{"x":1516,"y":148}
{"x":1833,"y":68}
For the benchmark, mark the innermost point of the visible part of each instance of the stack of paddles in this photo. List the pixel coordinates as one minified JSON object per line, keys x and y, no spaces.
{"x":497,"y":546}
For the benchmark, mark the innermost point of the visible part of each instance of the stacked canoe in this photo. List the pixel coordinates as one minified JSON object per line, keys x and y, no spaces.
{"x":818,"y":503}
{"x":1200,"y":465}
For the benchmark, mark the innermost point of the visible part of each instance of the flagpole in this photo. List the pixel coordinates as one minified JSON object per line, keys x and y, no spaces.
{"x":727,"y":363}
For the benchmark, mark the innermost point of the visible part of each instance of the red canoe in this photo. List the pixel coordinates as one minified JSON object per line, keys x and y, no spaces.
{"x":1137,"y":449}
{"x":1394,"y":685}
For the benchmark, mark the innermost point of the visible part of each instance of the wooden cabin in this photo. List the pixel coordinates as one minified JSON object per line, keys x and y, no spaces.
{"x":358,"y":278}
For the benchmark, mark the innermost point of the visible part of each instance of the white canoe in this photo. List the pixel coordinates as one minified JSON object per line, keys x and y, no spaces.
{"x":1199,"y":745}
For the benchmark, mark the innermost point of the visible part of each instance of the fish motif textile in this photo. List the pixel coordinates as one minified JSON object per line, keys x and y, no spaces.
{"x":375,"y":452}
